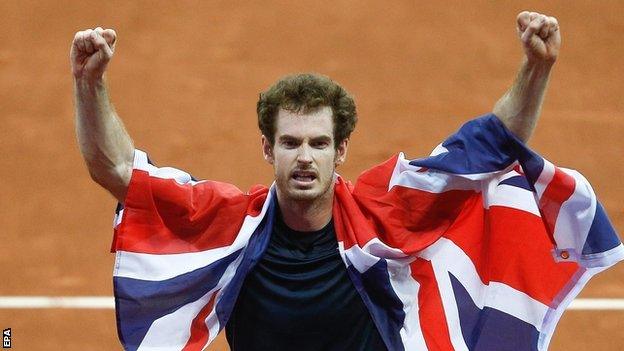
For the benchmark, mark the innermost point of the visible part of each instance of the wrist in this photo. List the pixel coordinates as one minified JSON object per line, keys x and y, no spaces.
{"x":539,"y":64}
{"x":90,"y":87}
{"x":89,"y":82}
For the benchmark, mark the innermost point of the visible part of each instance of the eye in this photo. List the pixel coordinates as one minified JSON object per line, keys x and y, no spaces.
{"x":289,"y":144}
{"x":320,"y":144}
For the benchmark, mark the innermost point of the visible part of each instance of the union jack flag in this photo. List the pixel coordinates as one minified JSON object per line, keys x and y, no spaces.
{"x":480,"y":246}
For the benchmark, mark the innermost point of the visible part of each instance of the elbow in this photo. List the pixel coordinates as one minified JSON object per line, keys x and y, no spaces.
{"x":114,"y":179}
{"x":518,"y":126}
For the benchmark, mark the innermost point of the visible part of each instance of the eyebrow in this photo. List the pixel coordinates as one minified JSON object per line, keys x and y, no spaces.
{"x":318,"y":138}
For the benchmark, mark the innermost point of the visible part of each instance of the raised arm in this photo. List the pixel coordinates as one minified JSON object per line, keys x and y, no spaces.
{"x":104,"y":143}
{"x":520,"y":106}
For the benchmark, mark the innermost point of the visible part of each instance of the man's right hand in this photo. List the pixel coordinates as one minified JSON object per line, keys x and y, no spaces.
{"x":91,"y":51}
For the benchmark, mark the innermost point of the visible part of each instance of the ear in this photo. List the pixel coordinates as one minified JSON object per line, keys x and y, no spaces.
{"x":341,"y":152}
{"x":267,"y":150}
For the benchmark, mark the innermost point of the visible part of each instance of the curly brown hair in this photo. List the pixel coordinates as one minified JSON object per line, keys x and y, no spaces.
{"x":307,"y":92}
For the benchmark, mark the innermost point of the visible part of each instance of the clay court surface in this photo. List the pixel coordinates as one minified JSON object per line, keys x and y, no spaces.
{"x":185,"y":79}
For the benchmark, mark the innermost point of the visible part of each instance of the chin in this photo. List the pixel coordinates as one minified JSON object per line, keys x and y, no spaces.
{"x":303,"y":195}
{"x":310,"y":194}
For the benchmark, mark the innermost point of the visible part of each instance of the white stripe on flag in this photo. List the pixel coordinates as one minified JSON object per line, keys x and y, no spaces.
{"x":446,"y":257}
{"x":512,"y":197}
{"x":156,"y":267}
{"x":548,"y":172}
{"x":408,"y":176}
{"x":575,"y":217}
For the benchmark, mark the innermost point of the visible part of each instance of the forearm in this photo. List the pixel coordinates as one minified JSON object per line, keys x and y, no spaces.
{"x":519,"y":108}
{"x":104,"y":143}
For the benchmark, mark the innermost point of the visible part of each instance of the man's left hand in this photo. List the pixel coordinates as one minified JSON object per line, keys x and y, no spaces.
{"x":540,"y":37}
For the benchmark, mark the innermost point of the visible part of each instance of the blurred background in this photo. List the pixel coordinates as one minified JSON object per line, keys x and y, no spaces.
{"x":185,"y":79}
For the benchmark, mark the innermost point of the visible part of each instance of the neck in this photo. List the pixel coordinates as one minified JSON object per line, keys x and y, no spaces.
{"x":306,"y":215}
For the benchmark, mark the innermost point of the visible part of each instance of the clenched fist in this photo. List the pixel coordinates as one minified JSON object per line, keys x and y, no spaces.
{"x":91,"y":51}
{"x":540,"y":36}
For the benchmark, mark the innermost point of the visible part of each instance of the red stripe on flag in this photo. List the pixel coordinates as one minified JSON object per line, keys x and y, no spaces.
{"x":430,"y":310}
{"x":512,"y":247}
{"x":560,"y":188}
{"x":199,"y":330}
{"x":353,"y":226}
{"x":404,"y":218}
{"x":162,"y":216}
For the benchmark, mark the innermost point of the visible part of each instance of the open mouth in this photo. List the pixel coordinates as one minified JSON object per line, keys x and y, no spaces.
{"x":304,"y":176}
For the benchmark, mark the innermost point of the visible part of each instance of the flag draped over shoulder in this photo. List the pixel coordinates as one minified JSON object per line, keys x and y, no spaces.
{"x":480,"y":246}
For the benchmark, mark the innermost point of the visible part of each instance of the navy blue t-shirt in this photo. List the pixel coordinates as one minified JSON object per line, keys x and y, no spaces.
{"x":299,"y":297}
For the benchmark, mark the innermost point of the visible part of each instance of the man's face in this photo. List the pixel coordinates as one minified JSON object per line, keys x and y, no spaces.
{"x":304,"y":157}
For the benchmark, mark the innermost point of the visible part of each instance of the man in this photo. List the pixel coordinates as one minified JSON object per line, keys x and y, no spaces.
{"x":316,"y":264}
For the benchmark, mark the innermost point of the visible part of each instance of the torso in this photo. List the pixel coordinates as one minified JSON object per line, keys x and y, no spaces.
{"x":299,"y":297}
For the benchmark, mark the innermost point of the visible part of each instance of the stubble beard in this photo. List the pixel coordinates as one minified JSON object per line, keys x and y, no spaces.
{"x":305,"y":195}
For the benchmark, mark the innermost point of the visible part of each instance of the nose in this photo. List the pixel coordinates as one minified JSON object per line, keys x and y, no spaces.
{"x":304,"y":155}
